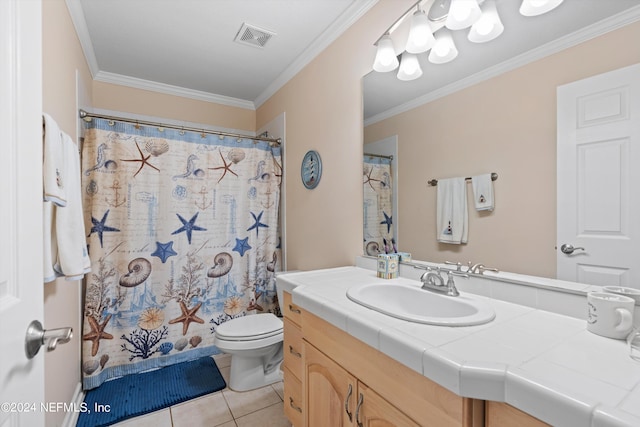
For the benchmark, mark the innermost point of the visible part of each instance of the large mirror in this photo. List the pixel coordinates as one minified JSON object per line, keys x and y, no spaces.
{"x":494,"y":109}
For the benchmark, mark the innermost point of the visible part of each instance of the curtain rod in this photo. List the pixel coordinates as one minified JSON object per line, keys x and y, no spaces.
{"x":434,"y":182}
{"x":86,"y":116}
{"x":382,"y":156}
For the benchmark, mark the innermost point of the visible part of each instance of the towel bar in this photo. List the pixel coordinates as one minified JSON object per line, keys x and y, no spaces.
{"x":434,"y":182}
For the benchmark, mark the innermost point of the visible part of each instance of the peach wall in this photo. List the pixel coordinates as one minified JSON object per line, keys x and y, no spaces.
{"x":138,"y":101}
{"x":506,"y":125}
{"x":61,"y":57}
{"x":323,"y":104}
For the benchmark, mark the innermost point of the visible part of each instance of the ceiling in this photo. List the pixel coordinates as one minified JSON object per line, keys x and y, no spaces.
{"x":187,"y":47}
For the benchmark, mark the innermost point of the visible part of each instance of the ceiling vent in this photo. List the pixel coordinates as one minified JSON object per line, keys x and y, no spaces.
{"x":253,"y":36}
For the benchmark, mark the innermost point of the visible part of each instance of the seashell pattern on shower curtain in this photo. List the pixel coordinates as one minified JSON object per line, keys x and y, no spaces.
{"x":183,"y":235}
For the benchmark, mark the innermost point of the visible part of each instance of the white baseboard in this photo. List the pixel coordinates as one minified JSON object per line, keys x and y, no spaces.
{"x":71,"y":418}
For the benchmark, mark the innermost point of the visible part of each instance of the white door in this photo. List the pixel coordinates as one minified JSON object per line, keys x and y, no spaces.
{"x":599,"y":179}
{"x":21,"y":286}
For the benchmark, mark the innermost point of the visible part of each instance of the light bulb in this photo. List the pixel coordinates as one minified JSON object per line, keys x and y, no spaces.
{"x":409,"y":67}
{"x":386,"y":59}
{"x":489,"y":26}
{"x":538,"y":7}
{"x":462,"y":14}
{"x":484,"y":26}
{"x":420,"y":36}
{"x":444,"y":49}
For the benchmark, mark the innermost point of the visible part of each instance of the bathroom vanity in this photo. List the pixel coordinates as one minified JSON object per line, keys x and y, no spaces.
{"x":346,"y":364}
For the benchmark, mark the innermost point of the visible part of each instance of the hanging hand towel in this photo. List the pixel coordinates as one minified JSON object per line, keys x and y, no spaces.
{"x":483,"y":192}
{"x":65,"y":239}
{"x":73,"y":259}
{"x":452,"y":216}
{"x":53,"y":165}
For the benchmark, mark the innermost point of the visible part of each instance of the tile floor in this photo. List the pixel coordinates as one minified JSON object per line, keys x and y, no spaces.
{"x":226,"y":408}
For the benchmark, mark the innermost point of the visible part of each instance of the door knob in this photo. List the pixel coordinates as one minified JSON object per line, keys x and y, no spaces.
{"x":37,"y":336}
{"x":568,"y":249}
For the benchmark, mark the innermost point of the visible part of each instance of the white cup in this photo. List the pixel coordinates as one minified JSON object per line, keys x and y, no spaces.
{"x":609,"y":315}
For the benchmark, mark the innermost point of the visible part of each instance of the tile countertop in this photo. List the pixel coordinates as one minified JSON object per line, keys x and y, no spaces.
{"x":543,"y":363}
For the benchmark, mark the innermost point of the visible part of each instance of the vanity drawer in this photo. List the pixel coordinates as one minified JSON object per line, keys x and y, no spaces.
{"x":502,"y":414}
{"x":293,"y":358}
{"x":290,"y":310}
{"x":293,"y":409}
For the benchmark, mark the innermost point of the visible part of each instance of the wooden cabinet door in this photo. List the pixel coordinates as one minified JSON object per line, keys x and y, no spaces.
{"x":374,"y":411}
{"x":329,"y":391}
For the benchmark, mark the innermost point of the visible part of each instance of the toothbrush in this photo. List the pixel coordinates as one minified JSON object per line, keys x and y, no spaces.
{"x":386,"y":247}
{"x":393,"y":244}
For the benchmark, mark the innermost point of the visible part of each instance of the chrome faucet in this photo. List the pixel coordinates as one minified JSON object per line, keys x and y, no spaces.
{"x":429,"y":278}
{"x":479,"y":268}
{"x":433,"y":281}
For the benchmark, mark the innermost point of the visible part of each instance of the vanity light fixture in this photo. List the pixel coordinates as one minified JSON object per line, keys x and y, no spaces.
{"x":431,"y":31}
{"x":538,"y":7}
{"x":409,"y":67}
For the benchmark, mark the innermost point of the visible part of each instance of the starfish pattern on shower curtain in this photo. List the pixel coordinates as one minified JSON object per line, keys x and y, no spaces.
{"x":226,"y":167}
{"x":97,"y":333}
{"x":257,"y":224}
{"x":242,"y":246}
{"x":164,"y":251}
{"x":100,"y":226}
{"x":368,"y":179}
{"x":188,"y":316}
{"x":387,"y":220}
{"x":188,"y":226}
{"x":144,"y":161}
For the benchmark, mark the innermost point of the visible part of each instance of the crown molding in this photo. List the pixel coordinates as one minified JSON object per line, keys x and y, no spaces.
{"x":612,"y":23}
{"x":80,"y":24}
{"x":134,"y":82}
{"x":354,"y":12}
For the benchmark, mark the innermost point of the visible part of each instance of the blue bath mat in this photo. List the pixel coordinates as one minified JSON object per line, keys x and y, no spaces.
{"x":139,"y":394}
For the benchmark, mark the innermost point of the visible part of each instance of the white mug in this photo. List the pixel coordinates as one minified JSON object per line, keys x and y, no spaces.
{"x":609,"y":315}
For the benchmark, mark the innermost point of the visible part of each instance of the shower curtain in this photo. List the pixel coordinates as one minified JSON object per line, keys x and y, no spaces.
{"x":183,"y":235}
{"x":378,"y":206}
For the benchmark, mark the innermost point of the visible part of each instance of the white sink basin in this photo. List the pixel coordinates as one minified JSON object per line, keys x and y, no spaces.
{"x":421,"y":306}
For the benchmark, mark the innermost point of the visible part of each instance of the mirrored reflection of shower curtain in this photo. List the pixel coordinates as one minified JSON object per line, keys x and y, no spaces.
{"x":378,"y":205}
{"x":183,"y":236}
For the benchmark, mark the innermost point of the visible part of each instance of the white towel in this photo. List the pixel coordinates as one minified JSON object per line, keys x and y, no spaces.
{"x":65,"y":239}
{"x":483,"y":192}
{"x":53,"y":163}
{"x":452,"y":217}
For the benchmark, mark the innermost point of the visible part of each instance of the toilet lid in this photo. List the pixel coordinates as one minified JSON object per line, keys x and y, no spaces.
{"x":251,"y":327}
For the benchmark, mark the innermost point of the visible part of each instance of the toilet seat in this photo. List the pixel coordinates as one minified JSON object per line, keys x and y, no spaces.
{"x":250,"y":328}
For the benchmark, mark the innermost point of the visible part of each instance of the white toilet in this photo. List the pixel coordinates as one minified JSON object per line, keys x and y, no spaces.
{"x":255,"y":345}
